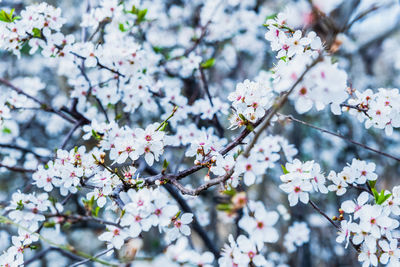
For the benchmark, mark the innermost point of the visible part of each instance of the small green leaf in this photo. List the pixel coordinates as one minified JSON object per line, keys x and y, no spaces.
{"x":230,"y":192}
{"x":8,"y":17}
{"x":372,"y":183}
{"x":285,"y":171}
{"x":272,"y":16}
{"x":249,"y":127}
{"x":6,"y":130}
{"x":224,"y":207}
{"x":208,"y":63}
{"x":163,"y":126}
{"x":376,"y":194}
{"x":165,"y":164}
{"x":141,"y":16}
{"x":95,"y":212}
{"x":383,"y":199}
{"x":121,"y":27}
{"x":37,"y":33}
{"x":49,"y":224}
{"x":242,"y":117}
{"x":134,"y":10}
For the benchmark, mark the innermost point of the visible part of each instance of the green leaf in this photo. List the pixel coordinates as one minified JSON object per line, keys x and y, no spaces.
{"x":49,"y":224}
{"x":8,"y":17}
{"x":372,"y":183}
{"x":164,"y":125}
{"x":224,"y":207}
{"x":95,"y":212}
{"x":285,"y":171}
{"x":380,"y":198}
{"x":208,"y":63}
{"x":272,"y":16}
{"x":37,"y":33}
{"x":249,"y":127}
{"x":141,"y":16}
{"x":376,"y":194}
{"x":230,"y":192}
{"x":165,"y":164}
{"x":157,"y":49}
{"x":6,"y":130}
{"x":134,"y":10}
{"x":121,"y":27}
{"x":242,"y":117}
{"x":383,"y":199}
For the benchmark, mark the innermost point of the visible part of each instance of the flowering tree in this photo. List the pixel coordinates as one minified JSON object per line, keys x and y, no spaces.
{"x":199,"y":133}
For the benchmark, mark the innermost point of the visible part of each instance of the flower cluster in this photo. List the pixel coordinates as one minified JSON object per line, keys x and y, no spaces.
{"x":263,"y":156}
{"x":373,"y":227}
{"x":146,"y":208}
{"x":297,"y":235}
{"x":258,"y":223}
{"x":359,"y":172}
{"x":250,"y":101}
{"x":180,"y":254}
{"x":27,"y":211}
{"x":124,"y":143}
{"x":66,"y":171}
{"x":241,"y":253}
{"x":300,"y":179}
{"x":40,"y":25}
{"x":324,"y":84}
{"x":378,"y":109}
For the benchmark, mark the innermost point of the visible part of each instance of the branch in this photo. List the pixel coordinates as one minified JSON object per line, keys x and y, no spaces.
{"x":323,"y":214}
{"x":343,"y":137}
{"x":23,"y":149}
{"x":16,"y":169}
{"x":71,"y":132}
{"x":186,"y":208}
{"x":78,"y":218}
{"x":278,"y":106}
{"x":43,"y":105}
{"x":96,"y":256}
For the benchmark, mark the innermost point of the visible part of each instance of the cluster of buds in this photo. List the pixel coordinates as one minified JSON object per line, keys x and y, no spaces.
{"x":340,"y":218}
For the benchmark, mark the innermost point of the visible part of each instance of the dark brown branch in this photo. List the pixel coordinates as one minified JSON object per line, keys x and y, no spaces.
{"x":323,"y":214}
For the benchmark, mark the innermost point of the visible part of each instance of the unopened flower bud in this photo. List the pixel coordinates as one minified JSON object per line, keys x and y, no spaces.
{"x":157,"y":182}
{"x":129,"y":250}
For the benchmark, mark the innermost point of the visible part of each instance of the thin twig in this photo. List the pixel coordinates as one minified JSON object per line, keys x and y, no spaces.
{"x":43,"y":105}
{"x":343,"y":137}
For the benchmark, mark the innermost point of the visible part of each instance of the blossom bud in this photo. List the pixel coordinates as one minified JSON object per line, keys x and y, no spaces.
{"x":129,"y":250}
{"x":207,"y":177}
{"x":197,"y":162}
{"x":158,"y":182}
